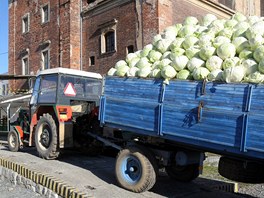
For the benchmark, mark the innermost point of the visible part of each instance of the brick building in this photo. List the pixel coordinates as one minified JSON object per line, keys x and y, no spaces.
{"x":92,"y":35}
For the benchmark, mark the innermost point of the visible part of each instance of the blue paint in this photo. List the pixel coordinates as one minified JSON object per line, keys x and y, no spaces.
{"x":244,"y":133}
{"x":232,"y":114}
{"x":131,"y":169}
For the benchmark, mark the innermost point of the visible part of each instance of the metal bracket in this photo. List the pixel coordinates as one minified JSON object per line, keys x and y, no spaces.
{"x":200,"y":111}
{"x":244,"y":133}
{"x":102,"y":110}
{"x":160,"y":119}
{"x":160,"y":115}
{"x":204,"y":87}
{"x":249,"y":98}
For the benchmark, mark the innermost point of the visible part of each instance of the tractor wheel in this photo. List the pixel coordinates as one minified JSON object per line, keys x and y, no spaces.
{"x":183,"y":173}
{"x":46,"y":137}
{"x":13,"y":141}
{"x":136,"y":169}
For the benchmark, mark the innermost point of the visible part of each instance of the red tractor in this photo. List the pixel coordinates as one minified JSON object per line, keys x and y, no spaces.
{"x":63,"y":104}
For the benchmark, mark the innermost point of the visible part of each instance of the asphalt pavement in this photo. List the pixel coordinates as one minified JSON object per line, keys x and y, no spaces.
{"x":94,"y":175}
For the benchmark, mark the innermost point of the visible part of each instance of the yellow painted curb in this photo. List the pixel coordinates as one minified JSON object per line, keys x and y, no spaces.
{"x":47,"y":181}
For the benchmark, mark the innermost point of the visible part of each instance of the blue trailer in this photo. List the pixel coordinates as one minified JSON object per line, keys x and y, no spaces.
{"x":172,"y":125}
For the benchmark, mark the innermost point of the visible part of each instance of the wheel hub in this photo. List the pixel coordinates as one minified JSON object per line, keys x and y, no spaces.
{"x":13,"y":140}
{"x":133,"y":169}
{"x":44,"y":138}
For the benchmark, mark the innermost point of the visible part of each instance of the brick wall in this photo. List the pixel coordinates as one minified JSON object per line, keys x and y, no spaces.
{"x":262,"y":8}
{"x":58,"y":35}
{"x":126,"y":33}
{"x":75,"y":45}
{"x":150,"y":20}
{"x":30,"y":43}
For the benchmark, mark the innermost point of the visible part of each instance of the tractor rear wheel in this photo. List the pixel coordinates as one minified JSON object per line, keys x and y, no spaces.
{"x":46,"y":138}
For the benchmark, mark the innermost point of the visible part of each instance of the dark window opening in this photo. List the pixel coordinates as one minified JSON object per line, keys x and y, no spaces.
{"x":228,"y":3}
{"x":25,"y":24}
{"x":90,"y":1}
{"x":45,"y":55}
{"x":25,"y":67}
{"x":45,"y":13}
{"x":110,"y":41}
{"x":130,"y":49}
{"x":3,"y":90}
{"x":92,"y":61}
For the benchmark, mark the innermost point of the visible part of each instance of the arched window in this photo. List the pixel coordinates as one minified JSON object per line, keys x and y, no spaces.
{"x":109,"y":41}
{"x":108,"y":37}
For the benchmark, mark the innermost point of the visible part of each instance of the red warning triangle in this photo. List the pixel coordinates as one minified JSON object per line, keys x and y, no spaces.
{"x":69,"y":90}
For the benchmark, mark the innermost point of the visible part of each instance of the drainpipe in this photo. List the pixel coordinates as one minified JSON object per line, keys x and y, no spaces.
{"x":142,"y":23}
{"x":81,"y":38}
{"x":60,"y":51}
{"x":14,"y":37}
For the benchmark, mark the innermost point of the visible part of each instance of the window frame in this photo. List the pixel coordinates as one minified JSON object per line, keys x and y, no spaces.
{"x":104,"y":47}
{"x":43,"y":58}
{"x":48,"y":93}
{"x":105,"y":28}
{"x":24,"y":67}
{"x":24,"y":30}
{"x":43,"y":21}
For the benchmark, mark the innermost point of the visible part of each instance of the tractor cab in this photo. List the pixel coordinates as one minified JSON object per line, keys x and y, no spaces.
{"x":60,"y":97}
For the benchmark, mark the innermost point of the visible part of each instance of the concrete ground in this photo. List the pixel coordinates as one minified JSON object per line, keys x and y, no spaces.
{"x":95,"y":176}
{"x":8,"y":190}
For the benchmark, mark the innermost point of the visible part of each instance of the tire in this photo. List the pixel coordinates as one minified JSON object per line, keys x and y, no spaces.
{"x":13,"y":141}
{"x":136,"y":169}
{"x":240,"y":171}
{"x":183,"y":173}
{"x":46,"y":137}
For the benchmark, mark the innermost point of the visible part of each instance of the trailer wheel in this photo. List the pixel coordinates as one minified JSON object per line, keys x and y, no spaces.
{"x":240,"y":171}
{"x":46,"y":137}
{"x":136,"y":169}
{"x":13,"y":141}
{"x":183,"y":173}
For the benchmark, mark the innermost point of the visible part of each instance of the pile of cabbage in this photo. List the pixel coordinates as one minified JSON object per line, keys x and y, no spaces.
{"x":228,"y":50}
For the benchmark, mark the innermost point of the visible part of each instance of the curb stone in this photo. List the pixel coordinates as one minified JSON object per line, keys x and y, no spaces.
{"x":37,"y":182}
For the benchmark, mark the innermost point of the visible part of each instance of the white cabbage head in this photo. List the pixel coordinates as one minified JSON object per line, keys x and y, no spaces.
{"x":214,"y":63}
{"x":215,"y":75}
{"x":195,"y":63}
{"x":200,"y":73}
{"x":226,"y":50}
{"x":234,"y":74}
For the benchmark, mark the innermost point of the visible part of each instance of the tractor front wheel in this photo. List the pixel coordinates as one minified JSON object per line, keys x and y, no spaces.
{"x":46,"y":138}
{"x":13,"y":141}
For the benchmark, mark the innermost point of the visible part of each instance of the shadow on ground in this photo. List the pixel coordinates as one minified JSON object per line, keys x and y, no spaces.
{"x":102,"y":166}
